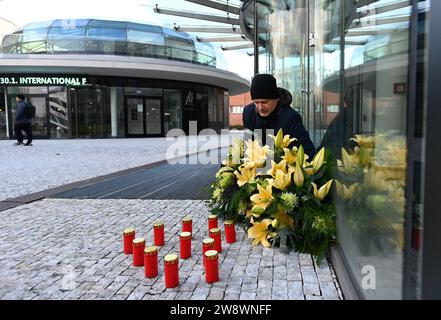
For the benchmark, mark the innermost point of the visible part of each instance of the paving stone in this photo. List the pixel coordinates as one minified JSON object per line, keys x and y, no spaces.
{"x":247,"y":296}
{"x":295,"y":290}
{"x":231,"y":296}
{"x":311,"y":289}
{"x":216,"y":295}
{"x":309,"y":297}
{"x":74,"y":268}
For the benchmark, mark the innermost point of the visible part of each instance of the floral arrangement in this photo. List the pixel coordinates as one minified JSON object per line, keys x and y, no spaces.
{"x":287,"y":204}
{"x":370,"y":183}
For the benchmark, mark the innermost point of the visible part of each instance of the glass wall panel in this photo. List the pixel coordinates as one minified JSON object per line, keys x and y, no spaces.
{"x":172,"y":109}
{"x":3,"y":130}
{"x":370,"y":219}
{"x":346,"y":66}
{"x":144,"y":37}
{"x":179,"y":50}
{"x":38,"y":97}
{"x":58,"y":112}
{"x":153,"y":116}
{"x":108,"y":37}
{"x":135,"y":116}
{"x":93,"y":115}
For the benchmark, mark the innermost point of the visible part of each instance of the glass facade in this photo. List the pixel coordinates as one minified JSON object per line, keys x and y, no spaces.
{"x":116,"y":107}
{"x":93,"y":36}
{"x":347,"y":65}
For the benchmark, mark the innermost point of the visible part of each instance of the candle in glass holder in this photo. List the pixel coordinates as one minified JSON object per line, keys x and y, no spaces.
{"x":158,"y":233}
{"x":187,"y":225}
{"x":211,"y":266}
{"x":207,"y":244}
{"x":215,"y":233}
{"x":212,"y":221}
{"x":128,"y":237}
{"x":171,"y":264}
{"x":230,"y":231}
{"x":138,"y":252}
{"x":185,"y":245}
{"x":151,"y":262}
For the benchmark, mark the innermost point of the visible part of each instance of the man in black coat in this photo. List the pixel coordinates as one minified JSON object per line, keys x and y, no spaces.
{"x":271,"y":110}
{"x":22,"y":122}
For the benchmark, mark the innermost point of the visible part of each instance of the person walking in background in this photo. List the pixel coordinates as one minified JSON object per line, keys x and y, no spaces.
{"x":22,"y":122}
{"x":271,"y":110}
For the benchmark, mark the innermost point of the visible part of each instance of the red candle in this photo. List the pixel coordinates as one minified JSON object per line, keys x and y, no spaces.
{"x":215,"y":233}
{"x":185,"y":245}
{"x":138,"y":252}
{"x":211,"y":266}
{"x":151,"y":262}
{"x":129,"y":236}
{"x":171,"y":264}
{"x":230,"y":231}
{"x":158,"y":233}
{"x":187,"y":224}
{"x":207,"y":244}
{"x":212,"y":221}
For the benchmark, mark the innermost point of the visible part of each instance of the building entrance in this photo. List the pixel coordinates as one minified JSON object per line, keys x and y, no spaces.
{"x":144,"y":116}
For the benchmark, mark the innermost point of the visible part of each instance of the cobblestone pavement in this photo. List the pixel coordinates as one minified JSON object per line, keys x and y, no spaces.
{"x":52,"y":163}
{"x":72,"y":249}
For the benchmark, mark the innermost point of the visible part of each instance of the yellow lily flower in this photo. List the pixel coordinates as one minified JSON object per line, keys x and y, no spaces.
{"x":236,"y":151}
{"x":262,"y":199}
{"x":300,"y":156}
{"x":282,"y":220}
{"x":308,"y":168}
{"x":260,"y":233}
{"x":377,"y":180}
{"x":255,"y":153}
{"x":367,"y":142}
{"x":323,"y":191}
{"x":274,"y":167}
{"x":245,"y":176}
{"x":290,"y":155}
{"x":299,"y":178}
{"x":347,"y":163}
{"x":282,"y":180}
{"x":318,"y":160}
{"x":345,"y":192}
{"x":281,"y":141}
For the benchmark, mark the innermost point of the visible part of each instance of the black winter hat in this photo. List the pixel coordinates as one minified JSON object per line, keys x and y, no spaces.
{"x":264,"y":86}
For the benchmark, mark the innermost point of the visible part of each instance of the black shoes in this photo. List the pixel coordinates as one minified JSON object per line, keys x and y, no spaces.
{"x":22,"y":144}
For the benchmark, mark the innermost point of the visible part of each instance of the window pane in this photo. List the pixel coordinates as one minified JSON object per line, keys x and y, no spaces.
{"x":145,"y":37}
{"x":33,"y":35}
{"x":107,"y":33}
{"x":53,"y":32}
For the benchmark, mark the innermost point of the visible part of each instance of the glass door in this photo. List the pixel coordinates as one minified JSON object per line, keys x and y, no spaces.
{"x":135,"y":116}
{"x":153,"y":116}
{"x":40,"y":127}
{"x":144,"y":116}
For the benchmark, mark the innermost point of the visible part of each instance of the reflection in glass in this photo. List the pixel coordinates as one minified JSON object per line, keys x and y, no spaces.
{"x":172,"y":109}
{"x":346,"y":65}
{"x":58,"y":112}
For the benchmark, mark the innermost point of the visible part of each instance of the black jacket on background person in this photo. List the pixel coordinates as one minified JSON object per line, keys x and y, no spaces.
{"x":20,"y":116}
{"x":283,"y":117}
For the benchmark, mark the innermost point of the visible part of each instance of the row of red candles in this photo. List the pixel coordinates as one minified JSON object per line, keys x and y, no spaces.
{"x":148,"y":256}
